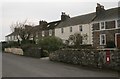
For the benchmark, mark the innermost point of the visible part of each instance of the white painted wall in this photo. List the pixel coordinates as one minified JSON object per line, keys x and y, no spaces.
{"x":87,"y":29}
{"x":17,"y":51}
{"x":13,"y":38}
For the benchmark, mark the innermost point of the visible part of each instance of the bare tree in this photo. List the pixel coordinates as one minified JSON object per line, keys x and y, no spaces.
{"x":23,"y":30}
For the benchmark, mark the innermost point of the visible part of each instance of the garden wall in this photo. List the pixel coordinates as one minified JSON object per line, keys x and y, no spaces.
{"x":31,"y":52}
{"x":17,"y":51}
{"x":88,"y":57}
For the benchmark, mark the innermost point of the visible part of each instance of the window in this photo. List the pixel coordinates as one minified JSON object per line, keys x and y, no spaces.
{"x":102,"y":25}
{"x":80,"y":28}
{"x":15,"y":37}
{"x":118,"y":23}
{"x":43,"y":33}
{"x":70,"y":29}
{"x":109,"y":24}
{"x":9,"y":38}
{"x":12,"y":37}
{"x":55,"y":24}
{"x":50,"y":32}
{"x":48,"y":25}
{"x":62,"y":30}
{"x":96,"y":26}
{"x":102,"y":39}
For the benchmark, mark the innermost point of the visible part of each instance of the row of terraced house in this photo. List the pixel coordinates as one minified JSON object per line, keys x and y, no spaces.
{"x":100,"y":27}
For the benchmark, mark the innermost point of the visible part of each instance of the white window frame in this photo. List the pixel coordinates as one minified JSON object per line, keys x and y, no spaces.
{"x":8,"y":38}
{"x":12,"y":37}
{"x":101,"y":26}
{"x":15,"y":37}
{"x":116,"y":38}
{"x":101,"y":39}
{"x":56,"y":24}
{"x":50,"y":32}
{"x":48,"y":25}
{"x":43,"y":33}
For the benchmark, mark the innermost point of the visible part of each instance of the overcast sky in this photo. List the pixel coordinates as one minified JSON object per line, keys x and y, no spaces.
{"x":50,"y":10}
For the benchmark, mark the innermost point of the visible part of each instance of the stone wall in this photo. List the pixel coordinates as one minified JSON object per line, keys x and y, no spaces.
{"x":18,"y":51}
{"x":31,"y":52}
{"x":88,"y":57}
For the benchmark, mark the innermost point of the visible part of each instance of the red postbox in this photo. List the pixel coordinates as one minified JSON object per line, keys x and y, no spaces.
{"x":108,"y":56}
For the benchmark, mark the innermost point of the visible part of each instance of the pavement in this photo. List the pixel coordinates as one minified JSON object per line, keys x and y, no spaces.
{"x":21,"y":66}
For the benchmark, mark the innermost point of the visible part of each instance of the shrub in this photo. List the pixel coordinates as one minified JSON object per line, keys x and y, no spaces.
{"x":75,"y":39}
{"x":27,"y":46}
{"x":50,"y":43}
{"x":33,"y":52}
{"x":27,"y":42}
{"x":9,"y":44}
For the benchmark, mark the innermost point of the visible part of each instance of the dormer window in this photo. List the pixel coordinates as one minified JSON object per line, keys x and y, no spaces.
{"x":55,"y":24}
{"x":48,"y":25}
{"x":102,"y":25}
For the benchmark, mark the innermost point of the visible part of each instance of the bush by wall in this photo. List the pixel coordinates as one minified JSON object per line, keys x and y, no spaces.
{"x":88,"y":57}
{"x":33,"y":52}
{"x":9,"y":44}
{"x":50,"y":43}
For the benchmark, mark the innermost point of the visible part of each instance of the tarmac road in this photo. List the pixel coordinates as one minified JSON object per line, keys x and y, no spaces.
{"x":21,"y":66}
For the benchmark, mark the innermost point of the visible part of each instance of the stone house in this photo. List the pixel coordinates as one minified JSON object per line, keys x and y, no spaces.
{"x":102,"y":28}
{"x":37,"y":30}
{"x":14,"y":36}
{"x":44,"y":29}
{"x":49,"y":30}
{"x":106,"y":27}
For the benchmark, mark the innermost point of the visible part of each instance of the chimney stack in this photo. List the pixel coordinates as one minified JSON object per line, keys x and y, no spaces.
{"x":42,"y":22}
{"x":99,"y":9}
{"x":64,"y":16}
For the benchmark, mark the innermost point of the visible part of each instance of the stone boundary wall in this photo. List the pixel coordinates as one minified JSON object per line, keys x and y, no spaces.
{"x":88,"y":57}
{"x":31,"y":52}
{"x":17,"y":51}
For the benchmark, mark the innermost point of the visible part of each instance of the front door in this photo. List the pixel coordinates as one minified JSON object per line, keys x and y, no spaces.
{"x":118,"y":40}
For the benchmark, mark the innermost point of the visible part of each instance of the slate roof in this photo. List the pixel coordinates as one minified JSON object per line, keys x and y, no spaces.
{"x":83,"y":19}
{"x":13,"y":33}
{"x":16,"y":33}
{"x":109,"y":14}
{"x":37,"y":28}
{"x":87,"y":18}
{"x":51,"y":25}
